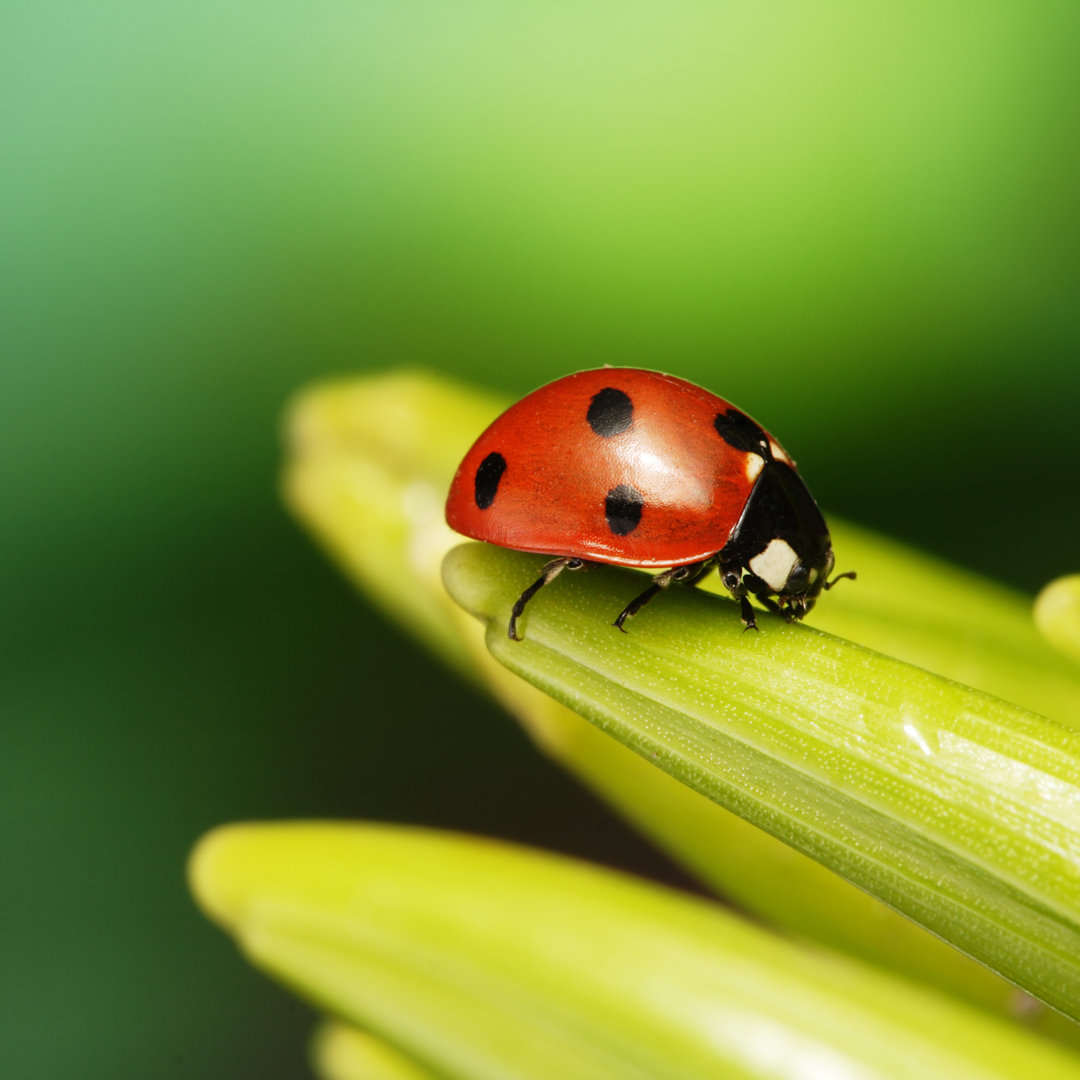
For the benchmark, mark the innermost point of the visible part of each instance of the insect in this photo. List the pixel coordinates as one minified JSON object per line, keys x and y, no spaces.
{"x":642,"y":469}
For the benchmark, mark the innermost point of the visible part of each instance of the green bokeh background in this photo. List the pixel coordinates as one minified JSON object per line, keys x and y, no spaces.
{"x":861,"y":225}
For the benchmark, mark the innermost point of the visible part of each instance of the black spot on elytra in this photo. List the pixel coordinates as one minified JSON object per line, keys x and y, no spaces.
{"x":622,"y":508}
{"x":739,"y":431}
{"x":488,"y":476}
{"x":610,"y":412}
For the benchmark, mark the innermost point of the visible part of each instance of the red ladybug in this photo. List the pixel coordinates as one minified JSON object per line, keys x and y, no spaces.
{"x":637,"y":468}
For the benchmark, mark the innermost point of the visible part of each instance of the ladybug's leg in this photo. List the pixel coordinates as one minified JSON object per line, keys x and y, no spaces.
{"x":763,"y":594}
{"x":696,"y":575}
{"x":733,"y":582}
{"x":551,"y":571}
{"x":689,"y":574}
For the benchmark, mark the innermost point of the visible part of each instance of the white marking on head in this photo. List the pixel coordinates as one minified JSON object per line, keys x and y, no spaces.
{"x":774,"y":564}
{"x":754,"y":464}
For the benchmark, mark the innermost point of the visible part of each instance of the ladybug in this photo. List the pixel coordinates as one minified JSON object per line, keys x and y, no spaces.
{"x":637,"y":468}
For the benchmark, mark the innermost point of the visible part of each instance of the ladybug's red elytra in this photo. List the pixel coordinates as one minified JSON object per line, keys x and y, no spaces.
{"x":637,"y":468}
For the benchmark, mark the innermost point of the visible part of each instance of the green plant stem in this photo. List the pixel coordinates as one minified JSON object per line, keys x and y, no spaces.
{"x":956,"y":808}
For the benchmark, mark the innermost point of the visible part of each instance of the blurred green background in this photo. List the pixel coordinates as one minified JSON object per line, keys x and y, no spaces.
{"x":859,"y":222}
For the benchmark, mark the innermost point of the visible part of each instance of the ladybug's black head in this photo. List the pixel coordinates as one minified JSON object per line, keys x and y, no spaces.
{"x":785,"y":580}
{"x":803,"y":585}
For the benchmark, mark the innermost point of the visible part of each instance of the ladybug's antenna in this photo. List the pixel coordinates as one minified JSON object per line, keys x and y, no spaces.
{"x":840,"y":577}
